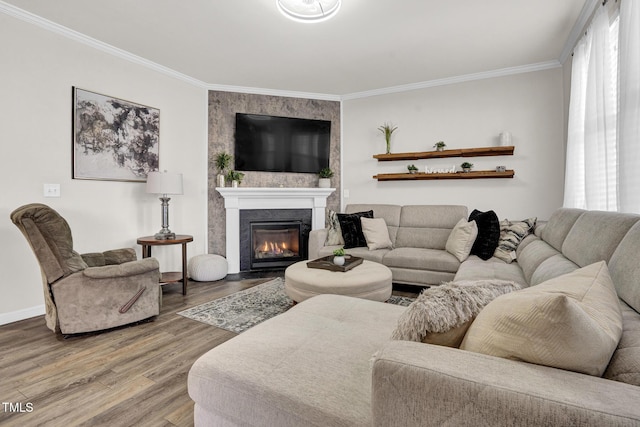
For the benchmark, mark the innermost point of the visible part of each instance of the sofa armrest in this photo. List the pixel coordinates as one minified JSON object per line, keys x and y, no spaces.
{"x":115,"y":256}
{"x":126,"y":269}
{"x":316,"y":241}
{"x":417,"y":384}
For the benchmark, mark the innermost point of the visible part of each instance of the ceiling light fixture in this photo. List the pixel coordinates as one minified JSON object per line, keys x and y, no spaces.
{"x":309,"y":10}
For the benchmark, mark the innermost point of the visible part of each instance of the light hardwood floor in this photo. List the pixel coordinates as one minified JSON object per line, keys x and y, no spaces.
{"x":130,"y":376}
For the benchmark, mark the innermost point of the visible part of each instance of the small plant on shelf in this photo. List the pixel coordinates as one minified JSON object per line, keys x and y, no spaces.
{"x":387,"y":129}
{"x":325,"y":173}
{"x":222,"y":163}
{"x":412,"y":168}
{"x":439,"y":146}
{"x":466,"y":166}
{"x":235,"y":178}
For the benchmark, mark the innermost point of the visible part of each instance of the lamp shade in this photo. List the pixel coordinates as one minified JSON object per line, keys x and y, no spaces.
{"x":164,"y":183}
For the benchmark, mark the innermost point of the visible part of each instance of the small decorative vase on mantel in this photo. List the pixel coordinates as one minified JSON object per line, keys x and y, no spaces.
{"x":325,"y":175}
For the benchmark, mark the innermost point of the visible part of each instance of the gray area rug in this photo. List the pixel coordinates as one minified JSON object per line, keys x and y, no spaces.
{"x":245,"y":309}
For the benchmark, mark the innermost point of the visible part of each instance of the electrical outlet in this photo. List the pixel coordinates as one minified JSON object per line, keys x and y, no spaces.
{"x":345,"y":193}
{"x":51,"y":190}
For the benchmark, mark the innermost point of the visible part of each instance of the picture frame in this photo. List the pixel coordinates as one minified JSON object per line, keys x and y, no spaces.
{"x":113,"y":139}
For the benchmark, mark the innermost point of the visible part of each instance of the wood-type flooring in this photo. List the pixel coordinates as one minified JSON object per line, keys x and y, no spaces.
{"x":129,"y":376}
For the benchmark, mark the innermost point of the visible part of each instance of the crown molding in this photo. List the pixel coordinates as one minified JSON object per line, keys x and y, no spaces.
{"x":585,"y":15}
{"x":274,"y":92}
{"x":120,"y":53}
{"x":31,"y":18}
{"x":456,"y":79}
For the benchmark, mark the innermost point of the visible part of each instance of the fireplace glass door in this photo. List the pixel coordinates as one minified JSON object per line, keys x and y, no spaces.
{"x":275,"y":244}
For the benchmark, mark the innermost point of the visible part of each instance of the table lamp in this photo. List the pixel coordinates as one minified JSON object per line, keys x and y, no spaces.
{"x":164,"y":183}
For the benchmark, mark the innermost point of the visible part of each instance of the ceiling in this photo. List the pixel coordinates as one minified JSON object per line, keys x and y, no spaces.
{"x":369,"y":45}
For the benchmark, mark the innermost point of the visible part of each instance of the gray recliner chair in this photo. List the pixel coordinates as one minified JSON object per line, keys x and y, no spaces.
{"x":89,"y":292}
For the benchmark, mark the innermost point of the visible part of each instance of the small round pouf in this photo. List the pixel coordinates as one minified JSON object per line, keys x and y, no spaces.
{"x":207,"y":268}
{"x":369,"y":280}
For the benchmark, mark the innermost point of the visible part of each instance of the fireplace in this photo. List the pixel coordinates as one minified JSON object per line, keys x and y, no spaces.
{"x":273,"y":238}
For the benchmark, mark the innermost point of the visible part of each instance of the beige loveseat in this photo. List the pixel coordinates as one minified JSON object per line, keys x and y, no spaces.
{"x":330,"y":361}
{"x":418,"y":234}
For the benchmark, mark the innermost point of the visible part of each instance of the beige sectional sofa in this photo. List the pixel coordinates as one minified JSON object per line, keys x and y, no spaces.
{"x":329,"y":361}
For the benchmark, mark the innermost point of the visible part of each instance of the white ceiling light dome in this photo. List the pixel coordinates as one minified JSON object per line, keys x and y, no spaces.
{"x":309,"y":10}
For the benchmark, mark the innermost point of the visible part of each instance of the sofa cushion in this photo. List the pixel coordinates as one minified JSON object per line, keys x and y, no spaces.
{"x":390,"y":214}
{"x":375,"y":233}
{"x":572,"y":322}
{"x":308,"y":366}
{"x":441,"y":315}
{"x":421,"y":259}
{"x":559,"y":225}
{"x":552,"y":267}
{"x":334,"y":232}
{"x":511,"y":234}
{"x":533,"y":255}
{"x":625,"y":268}
{"x":461,"y":239}
{"x":606,"y":228}
{"x":488,"y":233}
{"x":475,"y":268}
{"x":352,"y":229}
{"x":625,"y":363}
{"x":427,"y":226}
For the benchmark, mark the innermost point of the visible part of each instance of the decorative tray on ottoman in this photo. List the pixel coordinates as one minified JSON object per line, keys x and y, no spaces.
{"x":326,"y":263}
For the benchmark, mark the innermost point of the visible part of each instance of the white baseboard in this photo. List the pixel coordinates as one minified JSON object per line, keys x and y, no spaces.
{"x":25,"y":313}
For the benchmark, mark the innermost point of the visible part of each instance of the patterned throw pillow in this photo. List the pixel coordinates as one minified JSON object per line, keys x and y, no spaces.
{"x":488,"y":233}
{"x":334,"y":234}
{"x":511,"y":234}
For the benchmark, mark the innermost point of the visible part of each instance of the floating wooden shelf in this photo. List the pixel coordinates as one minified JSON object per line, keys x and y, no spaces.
{"x":461,"y":152}
{"x":458,"y":175}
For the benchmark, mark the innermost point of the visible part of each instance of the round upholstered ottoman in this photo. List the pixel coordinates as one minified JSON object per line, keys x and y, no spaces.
{"x":207,"y":268}
{"x":369,"y":280}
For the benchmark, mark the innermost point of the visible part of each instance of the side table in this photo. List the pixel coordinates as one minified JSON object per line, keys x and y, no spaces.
{"x":181,"y":239}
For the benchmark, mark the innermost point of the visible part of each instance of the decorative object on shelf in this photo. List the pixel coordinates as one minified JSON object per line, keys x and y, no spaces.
{"x":387,"y":129}
{"x":501,"y":168}
{"x":412,"y":168}
{"x":338,"y":257}
{"x":439,"y":146}
{"x":164,"y":183}
{"x":223,"y":160}
{"x":309,"y":11}
{"x":107,"y":148}
{"x":235,"y":178}
{"x":452,"y":169}
{"x":505,"y":139}
{"x":509,"y":173}
{"x":466,"y":167}
{"x":325,"y":175}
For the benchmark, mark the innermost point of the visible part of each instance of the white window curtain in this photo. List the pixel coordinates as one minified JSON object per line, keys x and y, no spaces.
{"x":629,"y":108}
{"x":591,"y":165}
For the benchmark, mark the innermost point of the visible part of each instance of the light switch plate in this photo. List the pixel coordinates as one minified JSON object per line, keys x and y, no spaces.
{"x":51,"y":190}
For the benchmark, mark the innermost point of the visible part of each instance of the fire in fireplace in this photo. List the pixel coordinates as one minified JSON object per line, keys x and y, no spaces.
{"x":273,"y":238}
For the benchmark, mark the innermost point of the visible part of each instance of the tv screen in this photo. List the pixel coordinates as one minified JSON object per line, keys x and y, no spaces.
{"x":281,"y":144}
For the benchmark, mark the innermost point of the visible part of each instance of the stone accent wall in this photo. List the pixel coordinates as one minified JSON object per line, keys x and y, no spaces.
{"x":222,"y":109}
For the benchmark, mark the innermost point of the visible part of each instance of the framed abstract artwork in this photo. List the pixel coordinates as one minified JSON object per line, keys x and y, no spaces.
{"x":113,"y":139}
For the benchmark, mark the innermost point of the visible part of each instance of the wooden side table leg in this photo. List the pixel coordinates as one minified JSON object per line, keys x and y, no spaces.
{"x":184,"y":268}
{"x":146,"y":251}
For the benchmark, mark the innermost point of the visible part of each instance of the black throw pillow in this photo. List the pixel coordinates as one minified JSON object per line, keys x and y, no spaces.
{"x":488,"y":233}
{"x":352,"y":229}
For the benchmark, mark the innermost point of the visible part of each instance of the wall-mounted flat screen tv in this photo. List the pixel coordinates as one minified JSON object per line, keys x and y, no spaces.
{"x":281,"y":144}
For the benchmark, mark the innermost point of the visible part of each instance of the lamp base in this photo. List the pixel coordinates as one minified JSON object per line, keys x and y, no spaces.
{"x":164,"y":234}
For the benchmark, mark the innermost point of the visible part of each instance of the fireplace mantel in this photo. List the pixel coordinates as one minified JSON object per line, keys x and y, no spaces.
{"x":241,"y":198}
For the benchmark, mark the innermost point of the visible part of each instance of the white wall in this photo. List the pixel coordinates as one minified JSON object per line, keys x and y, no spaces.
{"x":38,"y":71}
{"x":464,"y":115}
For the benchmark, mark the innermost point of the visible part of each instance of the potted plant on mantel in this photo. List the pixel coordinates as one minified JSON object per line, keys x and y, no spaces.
{"x":235,"y":178}
{"x":222,"y":163}
{"x":325,"y":175}
{"x":466,"y":166}
{"x":387,"y":129}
